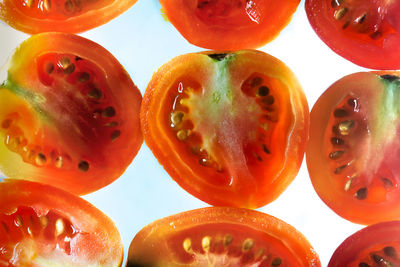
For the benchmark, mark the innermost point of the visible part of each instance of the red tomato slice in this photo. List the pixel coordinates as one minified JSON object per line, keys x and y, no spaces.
{"x":69,"y":114}
{"x":353,"y":151}
{"x":366,"y":32}
{"x":374,"y":246}
{"x":72,"y":16}
{"x":221,"y":237}
{"x":229,"y":24}
{"x":230,"y":128}
{"x":44,"y":226}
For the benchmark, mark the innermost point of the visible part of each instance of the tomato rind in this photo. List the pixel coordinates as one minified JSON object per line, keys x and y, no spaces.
{"x":149,"y":246}
{"x":249,"y":193}
{"x":101,"y":243}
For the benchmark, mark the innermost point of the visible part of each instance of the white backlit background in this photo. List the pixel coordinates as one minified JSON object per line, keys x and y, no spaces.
{"x":142,"y":41}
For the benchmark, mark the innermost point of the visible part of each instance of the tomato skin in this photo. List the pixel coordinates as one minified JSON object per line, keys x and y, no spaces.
{"x":76,"y":128}
{"x":160,"y":243}
{"x":381,"y":239}
{"x":94,"y":239}
{"x":355,"y":170}
{"x":31,"y":17}
{"x":229,"y":25}
{"x":233,"y":162}
{"x":370,"y":41}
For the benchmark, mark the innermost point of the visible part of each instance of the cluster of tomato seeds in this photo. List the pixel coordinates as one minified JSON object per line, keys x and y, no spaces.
{"x":45,"y":8}
{"x":387,"y":256}
{"x":256,"y":88}
{"x":215,"y":249}
{"x":345,"y":124}
{"x":24,"y":223}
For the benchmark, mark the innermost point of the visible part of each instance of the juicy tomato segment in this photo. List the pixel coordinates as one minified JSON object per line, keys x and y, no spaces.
{"x":223,"y":237}
{"x":61,"y":122}
{"x":34,"y":16}
{"x":375,"y":245}
{"x":42,"y":226}
{"x":353,"y":152}
{"x":223,"y":125}
{"x":226,"y":24}
{"x":364,"y":32}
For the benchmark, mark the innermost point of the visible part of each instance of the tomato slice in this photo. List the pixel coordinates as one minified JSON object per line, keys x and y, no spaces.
{"x":72,"y":16}
{"x":230,"y":128}
{"x":69,"y":114}
{"x":353,"y":151}
{"x":44,"y":226}
{"x":375,"y":245}
{"x":229,"y":24}
{"x":366,"y":32}
{"x":220,"y":236}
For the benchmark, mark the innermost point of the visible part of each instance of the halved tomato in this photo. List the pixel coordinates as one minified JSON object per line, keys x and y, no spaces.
{"x":354,"y":149}
{"x":230,"y":128}
{"x":374,"y":246}
{"x":72,"y":16}
{"x":44,"y":226}
{"x":366,"y":32}
{"x":69,"y":114}
{"x":220,"y":236}
{"x":229,"y":24}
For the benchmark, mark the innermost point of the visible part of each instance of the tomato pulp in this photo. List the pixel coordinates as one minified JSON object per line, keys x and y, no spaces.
{"x":72,"y":16}
{"x":230,"y":128}
{"x":221,"y":237}
{"x":227,"y":24}
{"x":69,"y":114}
{"x":354,"y":150}
{"x":44,"y":226}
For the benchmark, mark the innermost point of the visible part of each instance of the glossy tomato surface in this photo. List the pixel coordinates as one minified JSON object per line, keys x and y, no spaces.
{"x":374,"y":246}
{"x":354,"y":147}
{"x":221,"y":237}
{"x":227,"y":24}
{"x":69,"y":114}
{"x":366,"y":32}
{"x":44,"y":226}
{"x":72,"y":16}
{"x":230,"y":128}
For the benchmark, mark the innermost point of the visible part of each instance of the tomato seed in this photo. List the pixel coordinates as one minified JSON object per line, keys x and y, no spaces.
{"x":60,"y":227}
{"x":18,"y":221}
{"x":336,"y":3}
{"x":206,"y":243}
{"x":337,"y":141}
{"x":390,"y":252}
{"x":83,"y":77}
{"x":49,"y":68}
{"x":6,"y":123}
{"x":47,"y":5}
{"x":339,"y":169}
{"x":263,"y":91}
{"x":362,"y":193}
{"x":256,"y":81}
{"x":265,"y":149}
{"x":70,"y":69}
{"x":5,"y":227}
{"x":69,"y":6}
{"x":387,"y":182}
{"x":115,"y":134}
{"x":339,"y":14}
{"x":218,"y":57}
{"x":348,"y":185}
{"x":108,"y":112}
{"x":187,"y":245}
{"x":390,"y":78}
{"x":363,"y":264}
{"x":345,"y":127}
{"x":176,"y":118}
{"x":228,"y":240}
{"x":376,"y":258}
{"x":40,"y":159}
{"x":361,"y":18}
{"x":268,"y":100}
{"x":247,"y":244}
{"x":336,"y":154}
{"x":340,"y":113}
{"x":44,"y":221}
{"x":59,"y":162}
{"x":375,"y":35}
{"x":182,"y":134}
{"x":276,"y":262}
{"x":95,"y":93}
{"x":64,"y":62}
{"x":111,"y":124}
{"x":83,"y":166}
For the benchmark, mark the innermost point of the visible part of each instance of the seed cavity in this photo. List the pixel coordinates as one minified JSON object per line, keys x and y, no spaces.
{"x":339,"y":14}
{"x":362,"y":193}
{"x":262,"y":91}
{"x":206,"y":243}
{"x":83,"y":166}
{"x":219,"y":56}
{"x":247,"y":244}
{"x":345,"y":127}
{"x":390,"y":78}
{"x":187,"y":245}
